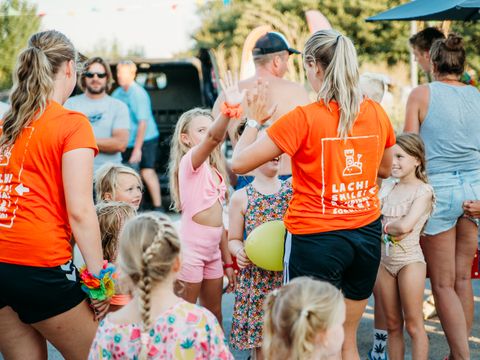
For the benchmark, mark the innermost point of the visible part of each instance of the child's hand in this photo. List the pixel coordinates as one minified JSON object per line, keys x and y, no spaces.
{"x":257,"y":103}
{"x":472,"y":208}
{"x":233,"y":95}
{"x":232,"y":279}
{"x":242,"y":259}
{"x":100,"y":308}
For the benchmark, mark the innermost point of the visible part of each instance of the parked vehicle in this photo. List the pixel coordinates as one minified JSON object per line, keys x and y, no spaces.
{"x":174,"y":86}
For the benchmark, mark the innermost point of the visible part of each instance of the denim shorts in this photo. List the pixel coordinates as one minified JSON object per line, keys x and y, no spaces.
{"x":451,"y":190}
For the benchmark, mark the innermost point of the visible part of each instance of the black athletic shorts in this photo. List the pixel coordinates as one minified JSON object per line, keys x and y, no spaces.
{"x":149,"y":154}
{"x":39,"y":293}
{"x":348,"y":259}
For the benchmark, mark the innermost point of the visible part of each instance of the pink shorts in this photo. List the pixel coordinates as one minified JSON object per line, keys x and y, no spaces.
{"x":201,"y":256}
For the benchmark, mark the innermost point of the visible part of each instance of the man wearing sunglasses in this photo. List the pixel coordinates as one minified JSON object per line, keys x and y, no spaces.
{"x":109,"y":117}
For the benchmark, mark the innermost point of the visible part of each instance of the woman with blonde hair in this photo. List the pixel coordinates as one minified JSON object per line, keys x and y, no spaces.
{"x":156,"y":324}
{"x":46,"y":165}
{"x":339,"y":145}
{"x":304,"y":321}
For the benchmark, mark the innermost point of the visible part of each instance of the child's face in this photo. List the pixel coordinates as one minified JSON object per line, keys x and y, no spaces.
{"x":403,"y":164}
{"x":270,"y":168}
{"x":128,"y":190}
{"x":197,"y":131}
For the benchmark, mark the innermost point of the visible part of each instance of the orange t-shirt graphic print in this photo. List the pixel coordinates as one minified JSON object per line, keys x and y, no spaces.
{"x":34,"y":225}
{"x":334,"y":180}
{"x":348,"y":182}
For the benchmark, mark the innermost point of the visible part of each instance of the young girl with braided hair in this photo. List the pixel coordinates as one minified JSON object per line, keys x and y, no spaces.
{"x":304,"y":321}
{"x":156,"y":324}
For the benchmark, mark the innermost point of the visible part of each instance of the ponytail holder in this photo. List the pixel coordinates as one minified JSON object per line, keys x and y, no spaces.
{"x":275,"y":292}
{"x":304,"y":313}
{"x":99,"y":287}
{"x":231,"y":111}
{"x":338,"y":37}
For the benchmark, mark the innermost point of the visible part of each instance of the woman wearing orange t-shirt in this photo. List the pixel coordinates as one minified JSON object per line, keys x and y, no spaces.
{"x":46,"y":162}
{"x":338,"y":146}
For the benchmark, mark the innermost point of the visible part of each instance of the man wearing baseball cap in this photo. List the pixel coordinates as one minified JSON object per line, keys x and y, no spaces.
{"x":270,"y":56}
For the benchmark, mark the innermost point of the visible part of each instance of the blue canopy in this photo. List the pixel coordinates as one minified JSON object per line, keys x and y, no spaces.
{"x":464,"y":10}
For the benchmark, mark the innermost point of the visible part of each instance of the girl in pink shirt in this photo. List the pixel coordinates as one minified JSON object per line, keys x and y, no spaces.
{"x":198,"y":185}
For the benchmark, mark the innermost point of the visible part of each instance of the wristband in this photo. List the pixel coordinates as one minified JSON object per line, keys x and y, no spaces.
{"x":226,"y":266}
{"x":231,"y":111}
{"x":101,"y":286}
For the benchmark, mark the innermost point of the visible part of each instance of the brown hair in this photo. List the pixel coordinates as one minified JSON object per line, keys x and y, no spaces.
{"x":178,"y":149}
{"x":111,"y":218}
{"x":337,"y":57}
{"x":295,"y":314}
{"x":33,"y":80}
{"x":96,"y":60}
{"x":423,"y":40}
{"x":149,"y":246}
{"x":413,"y":145}
{"x":448,"y":56}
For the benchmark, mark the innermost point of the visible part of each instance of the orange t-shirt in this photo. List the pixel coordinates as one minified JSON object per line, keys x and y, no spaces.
{"x":334,"y":180}
{"x":34,"y":226}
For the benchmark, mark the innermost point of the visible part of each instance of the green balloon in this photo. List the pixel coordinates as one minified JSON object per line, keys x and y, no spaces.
{"x":265,"y":245}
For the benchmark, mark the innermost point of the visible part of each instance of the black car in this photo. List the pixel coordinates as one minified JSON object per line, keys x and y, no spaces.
{"x":174,"y":86}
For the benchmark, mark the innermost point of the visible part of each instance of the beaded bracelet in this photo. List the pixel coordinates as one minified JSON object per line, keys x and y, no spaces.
{"x":231,"y":111}
{"x":101,"y":286}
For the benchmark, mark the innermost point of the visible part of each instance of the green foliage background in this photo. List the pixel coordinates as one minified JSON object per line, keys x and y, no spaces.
{"x":18,"y":20}
{"x":225,"y":27}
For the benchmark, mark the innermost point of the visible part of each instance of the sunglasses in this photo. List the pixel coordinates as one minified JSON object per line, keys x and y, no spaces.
{"x":90,"y":75}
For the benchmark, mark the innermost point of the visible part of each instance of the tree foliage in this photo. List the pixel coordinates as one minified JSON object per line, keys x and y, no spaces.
{"x":225,"y":28}
{"x":18,"y":21}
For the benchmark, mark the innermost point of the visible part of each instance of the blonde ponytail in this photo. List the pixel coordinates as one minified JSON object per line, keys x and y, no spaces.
{"x":296,"y":314}
{"x":33,"y":80}
{"x":337,"y":57}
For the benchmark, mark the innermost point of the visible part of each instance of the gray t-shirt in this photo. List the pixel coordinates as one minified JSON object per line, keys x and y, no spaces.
{"x":105,"y":115}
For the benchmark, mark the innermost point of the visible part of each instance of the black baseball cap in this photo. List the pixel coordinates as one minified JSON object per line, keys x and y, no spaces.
{"x":272,"y":42}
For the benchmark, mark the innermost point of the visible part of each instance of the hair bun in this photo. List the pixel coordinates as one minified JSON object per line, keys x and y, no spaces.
{"x":454,"y":42}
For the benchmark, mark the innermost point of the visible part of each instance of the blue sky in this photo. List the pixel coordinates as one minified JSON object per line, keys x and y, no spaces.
{"x":160,"y":27}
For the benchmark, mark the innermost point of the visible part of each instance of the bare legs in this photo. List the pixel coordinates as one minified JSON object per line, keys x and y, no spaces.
{"x":354,"y":313}
{"x":449,"y":257}
{"x":401,"y":299}
{"x":153,"y":186}
{"x":209,"y":291}
{"x":71,"y":332}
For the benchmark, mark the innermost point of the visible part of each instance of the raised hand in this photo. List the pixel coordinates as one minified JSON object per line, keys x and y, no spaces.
{"x":257,"y":103}
{"x":229,"y":85}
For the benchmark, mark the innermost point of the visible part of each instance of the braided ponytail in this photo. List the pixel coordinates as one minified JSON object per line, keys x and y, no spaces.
{"x":149,"y":245}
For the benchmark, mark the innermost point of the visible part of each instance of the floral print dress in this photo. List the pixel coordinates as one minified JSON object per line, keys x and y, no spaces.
{"x":255,"y":283}
{"x":183,"y":332}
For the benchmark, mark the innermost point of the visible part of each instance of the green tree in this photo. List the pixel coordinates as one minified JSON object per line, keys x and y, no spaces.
{"x":18,"y":21}
{"x":224,"y":28}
